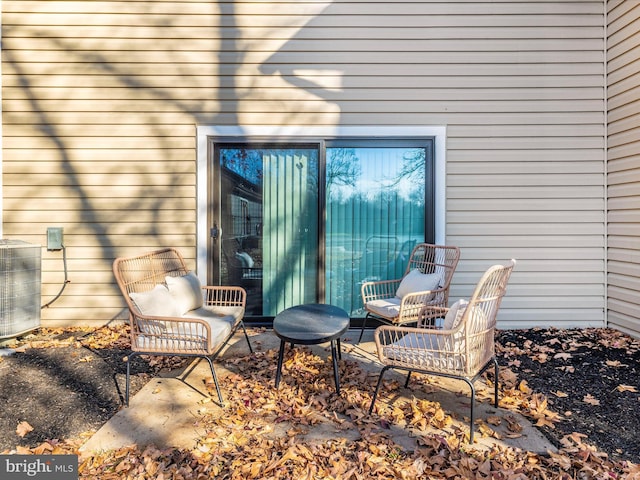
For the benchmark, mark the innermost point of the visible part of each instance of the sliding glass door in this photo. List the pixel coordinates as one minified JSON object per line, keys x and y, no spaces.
{"x":303,"y":223}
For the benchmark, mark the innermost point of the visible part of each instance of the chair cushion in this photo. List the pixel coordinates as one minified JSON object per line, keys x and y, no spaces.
{"x":186,"y":292}
{"x":415,"y":281}
{"x":454,"y":315}
{"x":385,"y":308}
{"x":220,"y":324}
{"x":235,"y":312}
{"x":163,"y":336}
{"x":156,"y":302}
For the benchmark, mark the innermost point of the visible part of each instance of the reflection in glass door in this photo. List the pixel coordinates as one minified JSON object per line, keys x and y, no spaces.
{"x":266,"y":224}
{"x":375,"y":210}
{"x":289,"y":239}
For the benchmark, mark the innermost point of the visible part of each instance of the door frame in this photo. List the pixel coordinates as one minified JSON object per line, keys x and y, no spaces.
{"x":206,"y":135}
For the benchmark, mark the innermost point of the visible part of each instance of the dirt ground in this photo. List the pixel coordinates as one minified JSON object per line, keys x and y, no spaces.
{"x":62,"y":384}
{"x":591,"y":379}
{"x":66,"y":384}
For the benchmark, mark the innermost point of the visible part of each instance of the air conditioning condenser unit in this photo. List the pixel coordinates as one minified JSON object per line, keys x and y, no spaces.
{"x":20,"y":291}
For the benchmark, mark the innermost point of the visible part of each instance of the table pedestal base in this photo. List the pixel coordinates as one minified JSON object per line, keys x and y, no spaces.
{"x":311,"y":324}
{"x":336,"y":354}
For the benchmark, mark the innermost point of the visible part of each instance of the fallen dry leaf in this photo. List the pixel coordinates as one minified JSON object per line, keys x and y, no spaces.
{"x":494,"y":420}
{"x":563,"y":355}
{"x":23,"y":428}
{"x":567,"y":368}
{"x":615,"y":363}
{"x":588,"y":398}
{"x":626,"y":388}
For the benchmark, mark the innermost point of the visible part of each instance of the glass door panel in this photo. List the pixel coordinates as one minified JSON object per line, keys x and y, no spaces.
{"x":265,"y":224}
{"x":375,"y":210}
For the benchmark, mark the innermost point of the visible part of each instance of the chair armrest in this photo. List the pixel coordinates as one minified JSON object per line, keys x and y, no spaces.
{"x":429,"y":313}
{"x":386,"y":332}
{"x":413,"y":304}
{"x":221,"y":296}
{"x":379,"y":290}
{"x":170,"y":335}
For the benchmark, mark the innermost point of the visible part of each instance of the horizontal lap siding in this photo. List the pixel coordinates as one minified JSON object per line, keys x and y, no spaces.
{"x":527,"y":180}
{"x":93,"y":145}
{"x":101,"y":99}
{"x":623,"y":166}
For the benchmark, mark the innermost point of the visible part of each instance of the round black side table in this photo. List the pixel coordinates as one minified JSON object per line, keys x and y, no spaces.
{"x":311,"y":324}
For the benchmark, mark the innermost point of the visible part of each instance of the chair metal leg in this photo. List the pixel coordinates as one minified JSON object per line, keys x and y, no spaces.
{"x":469,"y":382}
{"x":364,"y":324}
{"x":215,"y":380}
{"x":472,"y":419}
{"x":495,"y":383}
{"x":247,"y":337}
{"x":208,"y":358}
{"x":375,"y":393}
{"x":126,"y":388}
{"x":128,"y":378}
{"x":406,"y":382}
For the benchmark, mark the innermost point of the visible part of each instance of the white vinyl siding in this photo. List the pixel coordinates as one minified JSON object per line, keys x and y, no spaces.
{"x":623,"y":178}
{"x":101,"y":102}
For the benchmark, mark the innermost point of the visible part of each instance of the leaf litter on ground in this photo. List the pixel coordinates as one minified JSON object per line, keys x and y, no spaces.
{"x":240,"y":444}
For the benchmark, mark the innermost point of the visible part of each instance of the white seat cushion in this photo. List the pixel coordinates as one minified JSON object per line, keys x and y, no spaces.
{"x":386,"y":308}
{"x":220,"y":324}
{"x":155,"y":302}
{"x":186,"y":292}
{"x":236,"y":312}
{"x":454,"y":315}
{"x":415,"y":281}
{"x":186,"y":336}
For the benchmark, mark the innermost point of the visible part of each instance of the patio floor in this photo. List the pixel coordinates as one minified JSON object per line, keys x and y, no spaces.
{"x":169,"y":412}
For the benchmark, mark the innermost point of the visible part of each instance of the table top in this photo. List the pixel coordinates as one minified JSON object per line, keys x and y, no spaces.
{"x":311,"y":324}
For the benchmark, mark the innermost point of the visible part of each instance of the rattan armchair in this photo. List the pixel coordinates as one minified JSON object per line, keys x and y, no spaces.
{"x":463,"y":349}
{"x":423,"y":289}
{"x":171,"y":314}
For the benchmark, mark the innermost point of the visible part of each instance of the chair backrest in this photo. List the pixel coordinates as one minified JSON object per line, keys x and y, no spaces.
{"x":479,"y":318}
{"x":429,"y":258}
{"x":142,"y":273}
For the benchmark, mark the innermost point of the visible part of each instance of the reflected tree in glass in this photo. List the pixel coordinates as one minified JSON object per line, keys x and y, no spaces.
{"x":375,"y":215}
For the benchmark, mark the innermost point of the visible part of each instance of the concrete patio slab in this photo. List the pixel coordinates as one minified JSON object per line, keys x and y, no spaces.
{"x":168,"y":411}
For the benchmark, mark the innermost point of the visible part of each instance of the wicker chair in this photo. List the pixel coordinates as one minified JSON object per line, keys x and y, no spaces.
{"x":171,"y":314}
{"x":464,"y":348}
{"x":425,"y":284}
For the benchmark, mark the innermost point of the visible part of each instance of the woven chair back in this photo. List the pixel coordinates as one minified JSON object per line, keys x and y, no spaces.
{"x":143,"y":272}
{"x":479,"y":319}
{"x":430,"y":258}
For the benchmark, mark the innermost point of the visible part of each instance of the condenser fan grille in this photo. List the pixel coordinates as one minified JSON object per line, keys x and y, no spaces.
{"x":20,"y":290}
